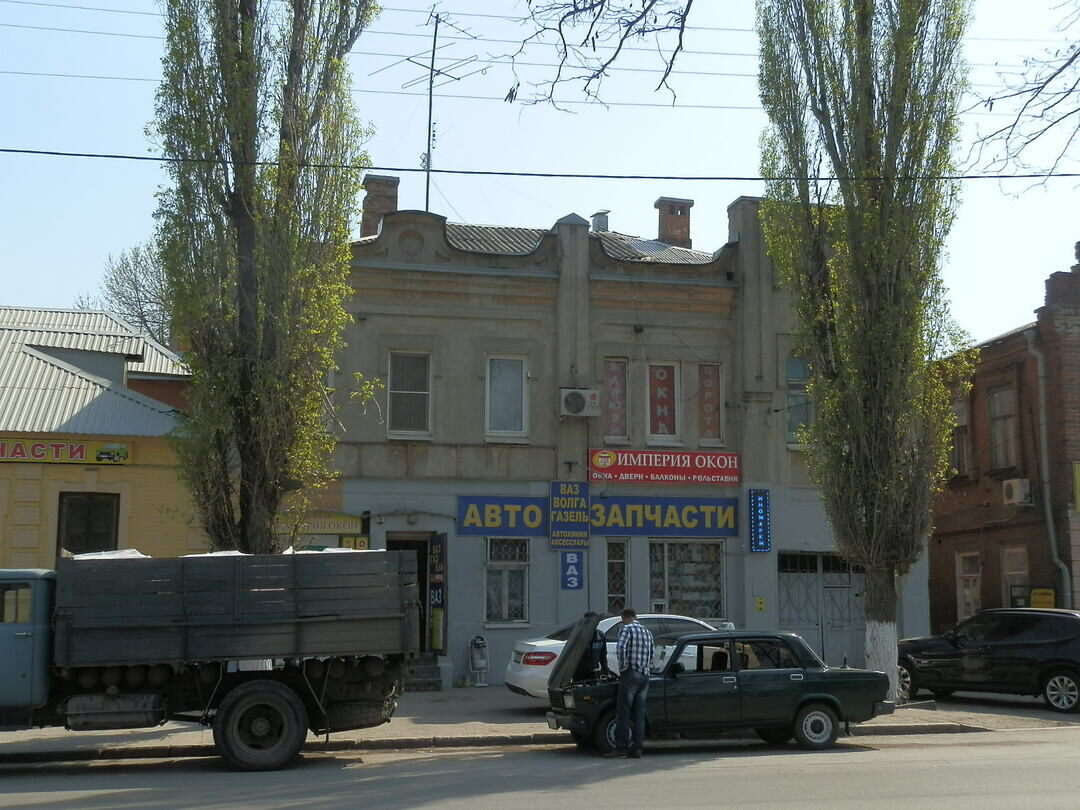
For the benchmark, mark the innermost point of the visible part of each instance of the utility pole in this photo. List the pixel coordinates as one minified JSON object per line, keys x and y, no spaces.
{"x":430,"y":106}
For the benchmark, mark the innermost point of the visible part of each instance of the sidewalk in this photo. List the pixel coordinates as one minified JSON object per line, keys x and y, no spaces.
{"x":489,"y":716}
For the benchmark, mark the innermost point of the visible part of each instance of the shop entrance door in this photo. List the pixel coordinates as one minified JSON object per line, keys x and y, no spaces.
{"x":417,"y":543}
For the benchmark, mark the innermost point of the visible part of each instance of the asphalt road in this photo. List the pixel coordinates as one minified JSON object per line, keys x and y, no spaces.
{"x":1008,"y":769}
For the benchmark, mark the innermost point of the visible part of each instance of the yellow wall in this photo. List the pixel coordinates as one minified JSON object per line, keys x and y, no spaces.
{"x":156,"y":516}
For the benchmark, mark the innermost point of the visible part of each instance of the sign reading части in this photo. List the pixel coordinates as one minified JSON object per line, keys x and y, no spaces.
{"x":663,"y":466}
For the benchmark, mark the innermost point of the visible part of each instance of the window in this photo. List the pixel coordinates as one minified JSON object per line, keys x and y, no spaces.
{"x":765,"y":653}
{"x":506,"y":402}
{"x":959,"y":458}
{"x":507,"y":577}
{"x":1004,"y":443}
{"x":15,"y":604}
{"x":687,"y":579}
{"x":710,"y":404}
{"x":799,"y":412}
{"x":410,"y":395}
{"x":88,"y":522}
{"x":616,"y":575}
{"x":664,"y":416}
{"x":968,"y":585}
{"x":615,"y":423}
{"x":1014,"y":574}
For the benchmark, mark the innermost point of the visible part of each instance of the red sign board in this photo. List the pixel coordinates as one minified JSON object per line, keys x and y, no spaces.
{"x":663,"y":467}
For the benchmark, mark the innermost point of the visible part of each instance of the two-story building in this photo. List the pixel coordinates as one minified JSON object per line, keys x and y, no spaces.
{"x":1007,"y":530}
{"x":577,"y":419}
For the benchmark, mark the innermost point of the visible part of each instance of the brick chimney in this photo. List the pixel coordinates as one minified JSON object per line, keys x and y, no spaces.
{"x":381,"y":199}
{"x":674,"y":221}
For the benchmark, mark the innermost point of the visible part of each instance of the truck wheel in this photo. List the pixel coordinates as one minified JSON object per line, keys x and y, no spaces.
{"x":604,"y":733}
{"x":260,"y":725}
{"x":816,"y":726}
{"x":1062,"y":691}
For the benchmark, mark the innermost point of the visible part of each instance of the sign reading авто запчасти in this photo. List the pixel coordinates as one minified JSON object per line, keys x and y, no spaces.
{"x":654,"y":516}
{"x":663,"y":466}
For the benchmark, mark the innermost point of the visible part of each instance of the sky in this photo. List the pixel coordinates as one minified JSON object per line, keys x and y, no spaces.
{"x":79,"y":76}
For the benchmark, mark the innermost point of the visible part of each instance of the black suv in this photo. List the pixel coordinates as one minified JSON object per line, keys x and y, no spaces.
{"x":1020,"y":651}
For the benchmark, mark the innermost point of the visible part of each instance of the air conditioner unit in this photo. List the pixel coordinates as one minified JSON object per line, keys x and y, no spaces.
{"x":579,"y":402}
{"x":1016,"y":491}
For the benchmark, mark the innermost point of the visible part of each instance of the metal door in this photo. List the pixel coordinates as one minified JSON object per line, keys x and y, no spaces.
{"x":821,"y":600}
{"x":25,"y":642}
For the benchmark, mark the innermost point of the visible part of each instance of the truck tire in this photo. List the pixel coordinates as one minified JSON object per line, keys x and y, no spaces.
{"x":260,"y":725}
{"x":816,"y":726}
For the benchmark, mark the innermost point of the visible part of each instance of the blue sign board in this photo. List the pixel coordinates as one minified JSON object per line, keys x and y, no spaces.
{"x":666,"y":517}
{"x":568,"y":514}
{"x":620,"y":515}
{"x":573,"y":570}
{"x":760,"y":520}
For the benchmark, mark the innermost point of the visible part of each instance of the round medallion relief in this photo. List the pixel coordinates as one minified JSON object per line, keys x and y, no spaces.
{"x":411,"y":242}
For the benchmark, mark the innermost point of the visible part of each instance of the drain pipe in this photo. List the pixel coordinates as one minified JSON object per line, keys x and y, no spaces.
{"x":1044,"y":469}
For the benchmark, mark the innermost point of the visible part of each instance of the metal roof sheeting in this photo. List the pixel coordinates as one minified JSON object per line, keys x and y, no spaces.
{"x":40,"y":393}
{"x":94,"y":331}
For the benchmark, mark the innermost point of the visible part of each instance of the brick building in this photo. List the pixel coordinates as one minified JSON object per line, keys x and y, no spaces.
{"x":1007,"y":520}
{"x":579,"y":419}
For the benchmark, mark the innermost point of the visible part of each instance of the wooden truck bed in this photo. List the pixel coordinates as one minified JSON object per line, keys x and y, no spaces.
{"x":130,"y":611}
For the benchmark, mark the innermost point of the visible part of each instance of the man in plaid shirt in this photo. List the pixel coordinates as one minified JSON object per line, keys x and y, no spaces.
{"x":634,"y":651}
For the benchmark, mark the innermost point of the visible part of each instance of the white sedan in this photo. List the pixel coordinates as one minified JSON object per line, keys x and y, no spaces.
{"x":531,"y":660}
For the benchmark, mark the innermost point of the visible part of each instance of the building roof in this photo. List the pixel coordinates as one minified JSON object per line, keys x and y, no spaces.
{"x":94,"y":331}
{"x":42,"y":393}
{"x":509,"y":241}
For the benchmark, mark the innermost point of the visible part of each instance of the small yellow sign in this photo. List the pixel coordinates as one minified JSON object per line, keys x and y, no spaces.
{"x":1042,"y":598}
{"x":759,"y":604}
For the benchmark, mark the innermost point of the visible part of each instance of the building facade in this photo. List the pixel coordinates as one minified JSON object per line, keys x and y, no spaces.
{"x":575,"y":419}
{"x":1006,"y":525}
{"x":85,"y":464}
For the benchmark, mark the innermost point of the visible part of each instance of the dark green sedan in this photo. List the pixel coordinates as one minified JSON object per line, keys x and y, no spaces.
{"x":768,"y":682}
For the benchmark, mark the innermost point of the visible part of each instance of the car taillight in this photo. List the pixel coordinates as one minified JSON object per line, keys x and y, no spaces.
{"x":538,"y":659}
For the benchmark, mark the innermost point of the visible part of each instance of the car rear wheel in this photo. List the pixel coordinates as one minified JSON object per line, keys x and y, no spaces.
{"x":604,"y":733}
{"x":774,"y":736}
{"x":1062,"y":691}
{"x":816,"y":726}
{"x":907,"y":682}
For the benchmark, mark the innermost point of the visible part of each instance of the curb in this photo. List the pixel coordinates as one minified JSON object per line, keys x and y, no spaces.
{"x":407,"y":743}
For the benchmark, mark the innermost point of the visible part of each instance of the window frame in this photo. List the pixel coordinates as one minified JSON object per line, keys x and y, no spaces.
{"x":796,"y":389}
{"x":1004,"y":449}
{"x":719,"y":439}
{"x":505,"y":568}
{"x":962,"y":603}
{"x":498,"y":434}
{"x":624,"y":437}
{"x":113,"y":498}
{"x":402,"y":433}
{"x":1008,"y":572}
{"x":616,"y":601}
{"x":664,"y":439}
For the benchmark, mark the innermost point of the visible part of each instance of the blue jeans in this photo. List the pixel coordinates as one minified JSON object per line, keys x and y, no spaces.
{"x":630,"y":711}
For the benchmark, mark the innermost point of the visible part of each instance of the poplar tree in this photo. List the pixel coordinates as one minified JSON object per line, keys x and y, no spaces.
{"x":255,"y":116}
{"x":862,"y":98}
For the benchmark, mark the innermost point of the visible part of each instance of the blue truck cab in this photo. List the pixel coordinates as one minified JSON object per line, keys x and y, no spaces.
{"x":26,"y":603}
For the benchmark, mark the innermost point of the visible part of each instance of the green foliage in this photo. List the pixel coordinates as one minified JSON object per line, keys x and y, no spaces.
{"x":255,"y":112}
{"x":862,"y":100}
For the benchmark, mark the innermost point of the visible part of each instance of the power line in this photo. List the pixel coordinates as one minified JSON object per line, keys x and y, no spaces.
{"x":507,"y":17}
{"x":499,"y":173}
